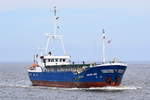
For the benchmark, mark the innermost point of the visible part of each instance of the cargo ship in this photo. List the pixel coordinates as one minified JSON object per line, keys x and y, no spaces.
{"x":59,"y":71}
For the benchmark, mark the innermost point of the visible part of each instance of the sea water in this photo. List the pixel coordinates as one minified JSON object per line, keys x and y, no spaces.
{"x":15,"y":85}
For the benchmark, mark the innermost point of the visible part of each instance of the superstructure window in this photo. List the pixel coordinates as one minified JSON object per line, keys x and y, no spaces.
{"x":52,"y":60}
{"x":60,"y":60}
{"x":56,"y":60}
{"x":64,"y":60}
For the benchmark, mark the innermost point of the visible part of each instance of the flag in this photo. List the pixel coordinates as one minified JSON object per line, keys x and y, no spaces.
{"x":58,"y":27}
{"x":57,"y":18}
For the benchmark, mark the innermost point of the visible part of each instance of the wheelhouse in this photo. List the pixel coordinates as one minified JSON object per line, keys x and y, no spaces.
{"x":55,"y":60}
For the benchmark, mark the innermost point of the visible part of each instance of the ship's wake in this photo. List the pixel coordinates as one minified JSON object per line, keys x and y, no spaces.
{"x":108,"y":88}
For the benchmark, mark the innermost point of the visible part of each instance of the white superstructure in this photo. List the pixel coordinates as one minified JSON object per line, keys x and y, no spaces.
{"x":47,"y":58}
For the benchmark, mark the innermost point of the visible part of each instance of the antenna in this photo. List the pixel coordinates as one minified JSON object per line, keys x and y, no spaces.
{"x":55,"y":11}
{"x":55,"y":20}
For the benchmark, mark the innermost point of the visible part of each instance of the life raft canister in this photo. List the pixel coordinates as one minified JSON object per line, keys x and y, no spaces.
{"x":34,"y":65}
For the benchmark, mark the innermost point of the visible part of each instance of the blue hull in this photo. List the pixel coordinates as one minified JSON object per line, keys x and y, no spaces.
{"x":97,"y":76}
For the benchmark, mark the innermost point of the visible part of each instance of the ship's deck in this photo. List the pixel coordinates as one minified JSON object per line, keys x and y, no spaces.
{"x":69,"y":65}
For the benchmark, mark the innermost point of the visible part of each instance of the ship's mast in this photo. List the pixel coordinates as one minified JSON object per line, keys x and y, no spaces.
{"x":54,"y":34}
{"x":103,"y":46}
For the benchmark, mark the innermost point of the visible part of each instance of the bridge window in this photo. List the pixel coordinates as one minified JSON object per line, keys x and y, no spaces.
{"x":56,"y":60}
{"x":60,"y":60}
{"x":64,"y":60}
{"x":52,"y":60}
